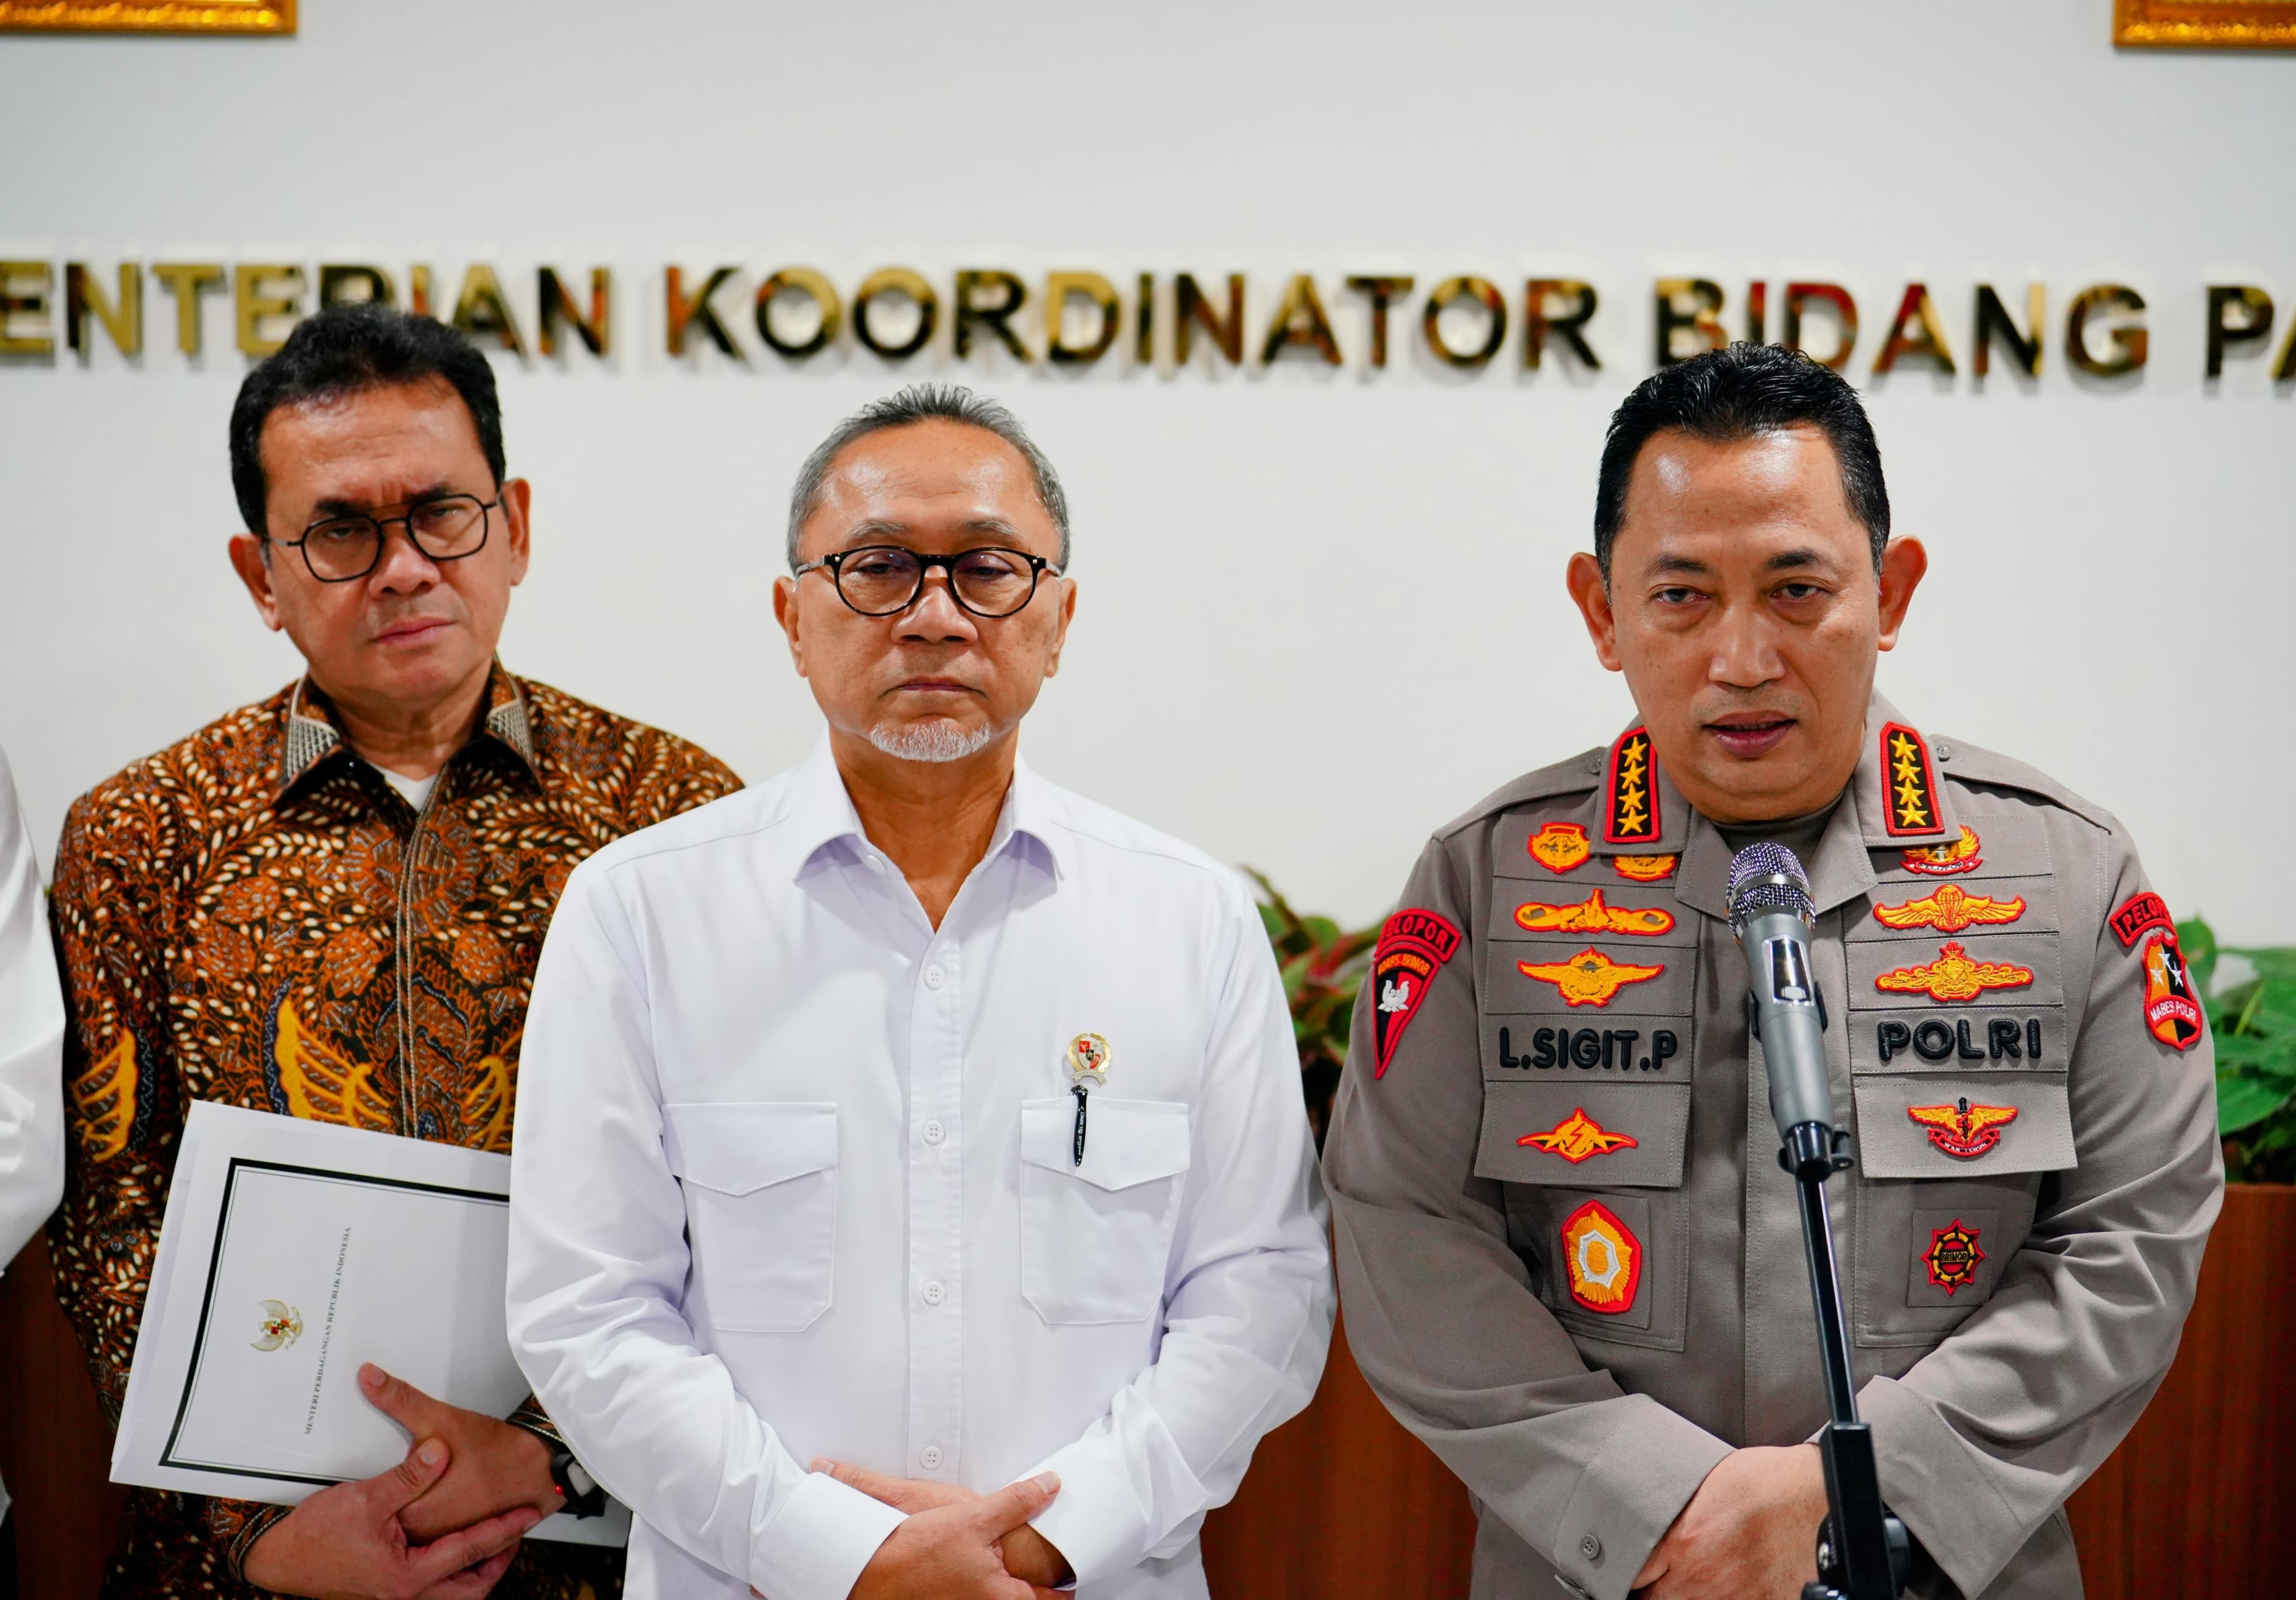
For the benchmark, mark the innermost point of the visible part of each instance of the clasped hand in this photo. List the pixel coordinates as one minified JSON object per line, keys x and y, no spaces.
{"x":1749,"y":1534}
{"x":443,"y":1524}
{"x":958,"y":1545}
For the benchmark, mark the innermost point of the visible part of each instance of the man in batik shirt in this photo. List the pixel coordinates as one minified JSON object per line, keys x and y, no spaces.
{"x":329,"y":905}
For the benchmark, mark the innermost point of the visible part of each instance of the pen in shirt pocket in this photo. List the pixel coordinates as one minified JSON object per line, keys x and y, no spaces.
{"x":1088,"y":1064}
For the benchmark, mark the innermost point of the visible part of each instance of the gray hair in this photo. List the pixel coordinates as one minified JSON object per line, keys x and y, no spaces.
{"x":926,"y":402}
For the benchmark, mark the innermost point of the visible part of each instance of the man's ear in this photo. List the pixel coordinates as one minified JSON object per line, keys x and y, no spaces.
{"x":1061,"y":627}
{"x":785,"y":614}
{"x":1590,"y":593}
{"x":251,"y":558}
{"x":517,"y":501}
{"x":1903,"y":563}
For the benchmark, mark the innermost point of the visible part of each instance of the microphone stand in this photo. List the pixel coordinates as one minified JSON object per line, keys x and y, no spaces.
{"x":1863,"y":1551}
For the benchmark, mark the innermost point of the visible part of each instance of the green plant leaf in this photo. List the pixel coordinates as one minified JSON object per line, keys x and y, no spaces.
{"x":2276,"y":1055}
{"x":2270,"y":961}
{"x":2243,"y":1102}
{"x":1295,"y":974}
{"x":2198,"y":941}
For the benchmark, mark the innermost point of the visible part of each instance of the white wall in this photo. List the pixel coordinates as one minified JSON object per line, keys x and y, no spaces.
{"x":1268,"y":659}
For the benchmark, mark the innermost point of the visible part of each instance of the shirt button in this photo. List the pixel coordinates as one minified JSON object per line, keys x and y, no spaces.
{"x":935,"y":1293}
{"x":930,"y":1457}
{"x":932,"y":978}
{"x":1591,"y":1547}
{"x":935,"y":1132}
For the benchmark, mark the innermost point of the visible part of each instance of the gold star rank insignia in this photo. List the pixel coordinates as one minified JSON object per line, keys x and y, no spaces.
{"x":1953,"y":977}
{"x":1908,"y":783}
{"x":1577,"y":1136}
{"x":1589,"y":979}
{"x":1949,"y":910}
{"x":1631,"y":803}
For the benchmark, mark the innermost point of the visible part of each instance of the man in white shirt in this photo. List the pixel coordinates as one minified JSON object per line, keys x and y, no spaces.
{"x":910,"y":1118}
{"x":31,"y":1045}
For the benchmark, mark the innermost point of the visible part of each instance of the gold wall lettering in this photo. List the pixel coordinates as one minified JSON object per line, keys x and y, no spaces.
{"x":1698,"y":321}
{"x":256,"y":294}
{"x":1060,"y":289}
{"x":828,"y":311}
{"x":1994,"y":322}
{"x":1075,"y":317}
{"x":1916,"y":332}
{"x":122,"y":318}
{"x":1837,"y":300}
{"x":2252,"y":326}
{"x":2127,"y":338}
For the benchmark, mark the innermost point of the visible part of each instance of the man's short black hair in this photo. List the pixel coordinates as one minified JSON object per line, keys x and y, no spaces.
{"x":1732,"y":393}
{"x":340,"y":351}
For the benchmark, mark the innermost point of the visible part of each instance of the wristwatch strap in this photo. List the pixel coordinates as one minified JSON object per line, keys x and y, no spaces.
{"x":581,"y":1492}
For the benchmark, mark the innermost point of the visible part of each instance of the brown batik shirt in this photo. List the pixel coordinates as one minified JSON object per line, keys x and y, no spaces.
{"x":254,"y":915}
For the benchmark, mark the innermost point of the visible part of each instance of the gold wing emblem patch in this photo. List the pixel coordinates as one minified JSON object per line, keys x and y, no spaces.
{"x":1953,"y":977}
{"x":105,"y":1095}
{"x":1589,"y":979}
{"x":1950,"y":910}
{"x":1962,"y":1129}
{"x":325,"y":1086}
{"x":1592,"y":915}
{"x":1577,"y":1136}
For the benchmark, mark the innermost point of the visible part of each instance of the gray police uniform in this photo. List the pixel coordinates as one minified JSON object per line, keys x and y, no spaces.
{"x":1570,"y":1261}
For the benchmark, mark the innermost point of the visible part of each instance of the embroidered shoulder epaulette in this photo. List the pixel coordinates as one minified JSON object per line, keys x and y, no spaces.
{"x":1574,"y":776}
{"x":1973,"y":765}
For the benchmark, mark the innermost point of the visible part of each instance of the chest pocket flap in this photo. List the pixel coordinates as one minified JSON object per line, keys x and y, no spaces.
{"x":1960,"y":1125}
{"x":1127,"y":1142}
{"x":739,"y":1149}
{"x":1584,"y":1134}
{"x":760,"y":1181}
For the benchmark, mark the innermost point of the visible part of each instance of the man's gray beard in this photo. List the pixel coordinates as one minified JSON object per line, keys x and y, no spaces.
{"x":939,"y":738}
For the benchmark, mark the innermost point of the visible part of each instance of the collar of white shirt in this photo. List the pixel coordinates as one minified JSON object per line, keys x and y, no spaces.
{"x":820,"y":817}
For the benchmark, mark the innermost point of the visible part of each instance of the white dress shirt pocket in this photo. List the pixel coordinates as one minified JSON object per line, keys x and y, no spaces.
{"x":1094,"y":1237}
{"x":761,"y":1182}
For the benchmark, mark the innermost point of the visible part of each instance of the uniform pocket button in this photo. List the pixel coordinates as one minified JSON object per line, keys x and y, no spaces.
{"x":1591,"y":1547}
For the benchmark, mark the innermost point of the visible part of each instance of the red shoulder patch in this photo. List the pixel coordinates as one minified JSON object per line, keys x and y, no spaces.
{"x":1630,"y":792}
{"x":2138,"y":914}
{"x":1412,"y":947}
{"x":1909,"y":787}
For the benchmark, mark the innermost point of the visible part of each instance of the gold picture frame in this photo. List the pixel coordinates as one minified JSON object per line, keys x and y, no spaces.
{"x":159,"y":16}
{"x":2205,"y":24}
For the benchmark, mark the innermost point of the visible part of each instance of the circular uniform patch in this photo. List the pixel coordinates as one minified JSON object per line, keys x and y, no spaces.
{"x":1604,"y":1258}
{"x":1952,"y":1256}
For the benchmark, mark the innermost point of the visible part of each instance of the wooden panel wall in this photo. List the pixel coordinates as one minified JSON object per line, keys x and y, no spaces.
{"x":1341,"y":1504}
{"x":55,"y":1446}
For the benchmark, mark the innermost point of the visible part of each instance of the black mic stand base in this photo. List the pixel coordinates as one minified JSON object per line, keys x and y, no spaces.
{"x":1864,"y":1552}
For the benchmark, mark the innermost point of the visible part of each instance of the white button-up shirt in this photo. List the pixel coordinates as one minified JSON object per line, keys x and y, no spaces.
{"x":793,"y":1177}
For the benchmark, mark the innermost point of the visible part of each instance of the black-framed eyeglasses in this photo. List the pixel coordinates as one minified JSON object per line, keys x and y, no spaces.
{"x":342,"y":549}
{"x":885,"y":580}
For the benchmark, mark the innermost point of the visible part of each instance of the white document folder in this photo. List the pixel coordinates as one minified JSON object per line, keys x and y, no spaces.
{"x":291,"y":1252}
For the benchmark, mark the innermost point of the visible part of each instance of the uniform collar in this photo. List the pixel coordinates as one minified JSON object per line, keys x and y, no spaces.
{"x":314,"y":735}
{"x":821,"y":815}
{"x":1915,"y":811}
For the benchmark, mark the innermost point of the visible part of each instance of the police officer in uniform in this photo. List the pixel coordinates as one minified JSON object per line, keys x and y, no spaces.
{"x":1569,"y":1260}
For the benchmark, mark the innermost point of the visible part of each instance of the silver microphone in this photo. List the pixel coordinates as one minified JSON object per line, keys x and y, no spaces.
{"x":1771,"y":913}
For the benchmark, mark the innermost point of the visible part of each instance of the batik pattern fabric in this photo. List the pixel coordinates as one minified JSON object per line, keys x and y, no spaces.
{"x":255,"y":916}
